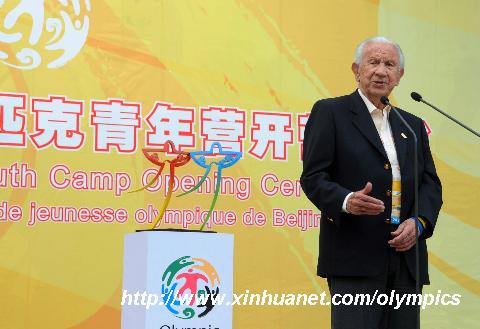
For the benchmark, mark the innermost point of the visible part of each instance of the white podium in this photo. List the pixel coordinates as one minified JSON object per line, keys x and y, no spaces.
{"x":176,"y":279}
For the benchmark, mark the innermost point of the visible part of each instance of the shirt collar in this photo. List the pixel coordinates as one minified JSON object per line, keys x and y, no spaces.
{"x":369,"y":104}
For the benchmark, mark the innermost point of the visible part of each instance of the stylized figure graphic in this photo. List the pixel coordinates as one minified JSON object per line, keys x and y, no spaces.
{"x":152,"y":155}
{"x":200,"y":158}
{"x":175,"y":267}
{"x":191,"y":282}
{"x":208,"y":269}
{"x":209,"y":301}
{"x":169,"y":298}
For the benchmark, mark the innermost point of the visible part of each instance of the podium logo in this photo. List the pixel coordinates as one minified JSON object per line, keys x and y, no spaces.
{"x":34,"y":32}
{"x":189,"y":287}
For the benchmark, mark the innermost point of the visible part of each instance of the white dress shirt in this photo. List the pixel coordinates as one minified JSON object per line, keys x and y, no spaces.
{"x":380,"y":119}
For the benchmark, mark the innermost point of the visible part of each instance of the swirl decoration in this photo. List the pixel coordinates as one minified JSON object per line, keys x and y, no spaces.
{"x":74,"y":35}
{"x":27,"y":56}
{"x":189,"y":313}
{"x":69,"y":33}
{"x":33,"y":8}
{"x":55,"y":26}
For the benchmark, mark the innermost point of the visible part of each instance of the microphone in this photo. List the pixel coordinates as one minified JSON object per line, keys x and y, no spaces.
{"x":385,"y":101}
{"x":417,"y":97}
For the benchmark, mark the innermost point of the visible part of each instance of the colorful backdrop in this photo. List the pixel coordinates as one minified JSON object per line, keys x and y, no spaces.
{"x":85,"y":85}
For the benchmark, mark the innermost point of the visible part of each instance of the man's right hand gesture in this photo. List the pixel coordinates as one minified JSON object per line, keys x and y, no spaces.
{"x":360,"y":203}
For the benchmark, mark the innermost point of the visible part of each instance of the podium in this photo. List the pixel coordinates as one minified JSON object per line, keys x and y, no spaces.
{"x":177,"y":279}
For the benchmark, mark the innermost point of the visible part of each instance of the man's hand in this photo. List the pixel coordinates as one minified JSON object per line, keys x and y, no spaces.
{"x":359,"y":203}
{"x":404,"y":236}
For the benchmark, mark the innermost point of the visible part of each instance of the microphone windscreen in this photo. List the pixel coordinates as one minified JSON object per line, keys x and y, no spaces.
{"x":416,"y":96}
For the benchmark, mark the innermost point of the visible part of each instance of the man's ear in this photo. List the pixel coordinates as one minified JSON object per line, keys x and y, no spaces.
{"x":355,"y":70}
{"x":402,"y":71}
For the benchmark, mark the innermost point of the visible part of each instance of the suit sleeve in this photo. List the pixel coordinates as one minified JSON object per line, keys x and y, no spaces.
{"x":318,"y":161}
{"x":430,"y":188}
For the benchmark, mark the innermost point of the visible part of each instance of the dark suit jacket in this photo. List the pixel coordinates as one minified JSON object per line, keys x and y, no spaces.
{"x":342,"y":152}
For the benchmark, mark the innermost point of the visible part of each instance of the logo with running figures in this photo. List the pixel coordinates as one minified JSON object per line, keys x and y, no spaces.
{"x":189,"y":286}
{"x":36,"y":33}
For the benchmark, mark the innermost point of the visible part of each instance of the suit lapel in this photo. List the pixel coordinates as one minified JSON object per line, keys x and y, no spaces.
{"x":362,"y":119}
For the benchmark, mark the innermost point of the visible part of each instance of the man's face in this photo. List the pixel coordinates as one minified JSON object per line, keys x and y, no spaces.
{"x":379,"y":70}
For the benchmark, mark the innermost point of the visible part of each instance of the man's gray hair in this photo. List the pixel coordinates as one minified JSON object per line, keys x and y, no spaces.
{"x":380,"y":39}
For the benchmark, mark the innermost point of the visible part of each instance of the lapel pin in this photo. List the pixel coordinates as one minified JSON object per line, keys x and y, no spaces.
{"x":403,"y":135}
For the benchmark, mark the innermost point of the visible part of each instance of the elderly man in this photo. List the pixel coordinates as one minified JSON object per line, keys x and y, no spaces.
{"x":358,"y":170}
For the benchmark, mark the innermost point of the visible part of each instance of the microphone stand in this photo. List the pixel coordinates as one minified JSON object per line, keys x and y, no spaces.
{"x":415,"y":207}
{"x":417,"y":97}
